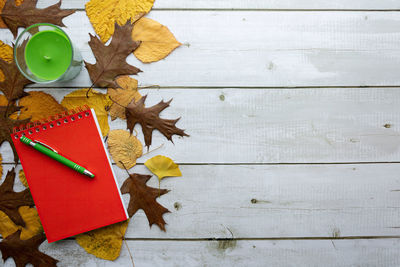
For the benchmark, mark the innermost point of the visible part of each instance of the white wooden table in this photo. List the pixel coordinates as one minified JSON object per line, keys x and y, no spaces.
{"x":294,"y":155}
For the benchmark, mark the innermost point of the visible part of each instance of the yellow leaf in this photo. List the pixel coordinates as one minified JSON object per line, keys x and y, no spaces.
{"x":3,"y":100}
{"x":31,"y":219}
{"x":22,"y":178}
{"x":103,"y":14}
{"x":157,"y":41}
{"x":2,"y":3}
{"x":123,"y":96}
{"x":38,"y":105}
{"x":96,"y":100}
{"x":6,"y":53}
{"x":124,"y":147}
{"x":104,"y":243}
{"x":162,"y":167}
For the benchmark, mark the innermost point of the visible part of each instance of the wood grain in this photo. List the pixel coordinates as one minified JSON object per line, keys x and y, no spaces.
{"x":284,"y":201}
{"x":284,"y":253}
{"x":254,"y":4}
{"x":275,"y":125}
{"x":267,"y":49}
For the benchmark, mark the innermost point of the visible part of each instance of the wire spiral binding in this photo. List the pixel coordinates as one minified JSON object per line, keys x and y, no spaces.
{"x":31,"y":125}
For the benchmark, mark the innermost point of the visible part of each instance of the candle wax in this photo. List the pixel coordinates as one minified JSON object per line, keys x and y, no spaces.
{"x":48,"y":54}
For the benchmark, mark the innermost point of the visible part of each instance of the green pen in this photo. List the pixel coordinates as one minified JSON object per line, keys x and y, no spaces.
{"x":54,"y":155}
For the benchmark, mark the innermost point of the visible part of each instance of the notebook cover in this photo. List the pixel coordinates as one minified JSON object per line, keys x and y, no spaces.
{"x":68,"y":202}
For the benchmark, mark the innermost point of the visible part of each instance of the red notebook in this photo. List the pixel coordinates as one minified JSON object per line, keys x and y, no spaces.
{"x":68,"y":202}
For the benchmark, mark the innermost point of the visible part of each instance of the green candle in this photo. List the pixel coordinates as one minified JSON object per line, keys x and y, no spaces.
{"x":48,"y":54}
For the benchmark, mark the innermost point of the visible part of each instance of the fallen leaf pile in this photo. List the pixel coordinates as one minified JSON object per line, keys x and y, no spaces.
{"x":121,"y":21}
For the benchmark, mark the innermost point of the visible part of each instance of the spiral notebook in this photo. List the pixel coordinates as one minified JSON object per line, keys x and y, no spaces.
{"x":68,"y":202}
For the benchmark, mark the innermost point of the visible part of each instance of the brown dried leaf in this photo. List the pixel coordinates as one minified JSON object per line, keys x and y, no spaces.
{"x":27,"y":14}
{"x":104,"y":243}
{"x":144,"y":197}
{"x":149,"y":119}
{"x":26,"y":251}
{"x":10,"y":201}
{"x":123,"y":96}
{"x":14,"y":82}
{"x":2,"y":3}
{"x":103,"y":14}
{"x":7,"y":125}
{"x":111,"y":59}
{"x":156,"y":41}
{"x":124,"y":148}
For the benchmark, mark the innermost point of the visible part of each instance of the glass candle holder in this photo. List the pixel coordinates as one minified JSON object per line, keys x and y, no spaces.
{"x":44,"y":53}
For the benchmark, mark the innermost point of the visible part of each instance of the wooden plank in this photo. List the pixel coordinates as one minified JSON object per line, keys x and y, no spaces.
{"x":254,"y":4}
{"x":265,"y":49}
{"x":282,"y":201}
{"x":275,"y":126}
{"x":279,"y":253}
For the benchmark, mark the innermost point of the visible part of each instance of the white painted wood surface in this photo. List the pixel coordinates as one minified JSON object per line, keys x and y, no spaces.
{"x":254,"y":4}
{"x":279,"y":253}
{"x":276,"y":125}
{"x":264,"y":49}
{"x":258,"y":165}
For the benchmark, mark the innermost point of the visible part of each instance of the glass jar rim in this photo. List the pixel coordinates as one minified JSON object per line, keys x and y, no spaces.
{"x":26,"y":30}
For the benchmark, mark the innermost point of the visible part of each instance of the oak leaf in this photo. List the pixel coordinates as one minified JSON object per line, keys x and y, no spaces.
{"x":149,"y":119}
{"x":95,"y":100}
{"x":163,"y":167}
{"x":144,"y":197}
{"x":38,"y":105}
{"x":2,"y":3}
{"x":31,"y":219}
{"x":10,"y":201}
{"x":104,"y":243}
{"x":124,"y":148}
{"x":14,"y":82}
{"x":111,"y":59}
{"x":122,"y":96}
{"x":103,"y":14}
{"x":27,"y":14}
{"x":26,"y":251}
{"x":7,"y":124}
{"x":156,"y":41}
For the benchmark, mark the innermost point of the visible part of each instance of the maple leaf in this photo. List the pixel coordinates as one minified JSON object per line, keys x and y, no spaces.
{"x":149,"y":119}
{"x":27,"y":14}
{"x":26,"y":251}
{"x":14,"y":82}
{"x":7,"y":125}
{"x":111,"y":59}
{"x":10,"y":200}
{"x":144,"y":197}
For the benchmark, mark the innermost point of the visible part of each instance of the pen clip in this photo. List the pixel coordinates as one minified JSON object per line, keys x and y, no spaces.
{"x":43,"y":144}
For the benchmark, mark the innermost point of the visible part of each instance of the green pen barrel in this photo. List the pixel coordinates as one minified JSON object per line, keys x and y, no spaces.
{"x":54,"y":155}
